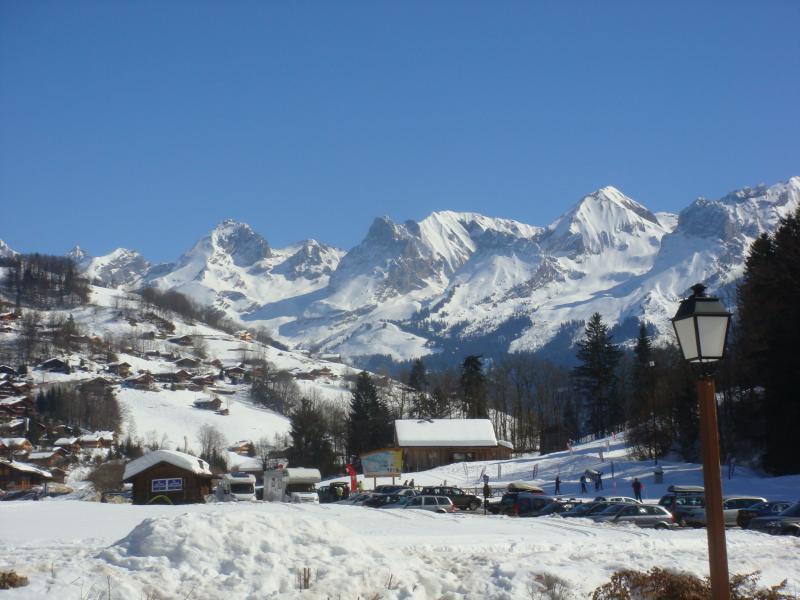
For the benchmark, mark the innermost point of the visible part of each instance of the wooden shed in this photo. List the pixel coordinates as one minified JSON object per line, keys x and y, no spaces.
{"x":21,"y":476}
{"x":429,"y":443}
{"x":183,"y":478}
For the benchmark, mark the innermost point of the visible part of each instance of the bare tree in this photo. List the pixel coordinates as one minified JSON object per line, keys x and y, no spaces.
{"x":211,"y":440}
{"x":263,"y":449}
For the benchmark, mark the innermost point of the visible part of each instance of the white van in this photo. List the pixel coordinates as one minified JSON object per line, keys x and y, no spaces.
{"x":293,"y":484}
{"x":236,"y":487}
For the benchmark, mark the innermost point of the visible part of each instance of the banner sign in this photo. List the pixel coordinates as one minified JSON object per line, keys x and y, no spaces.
{"x":382,"y":463}
{"x":166,"y":485}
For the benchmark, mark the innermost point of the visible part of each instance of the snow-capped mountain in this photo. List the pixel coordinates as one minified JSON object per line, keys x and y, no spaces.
{"x":415,"y":288}
{"x":5,"y":250}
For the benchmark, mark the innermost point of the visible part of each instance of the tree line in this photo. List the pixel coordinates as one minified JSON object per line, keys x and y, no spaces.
{"x":43,"y":281}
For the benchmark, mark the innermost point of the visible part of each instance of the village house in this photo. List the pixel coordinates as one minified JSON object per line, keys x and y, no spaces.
{"x":244,"y":335}
{"x":180,"y":477}
{"x":12,"y":427}
{"x":208,"y":404}
{"x":48,"y":458}
{"x":96,"y":385}
{"x":184,"y":340}
{"x":97,"y":439}
{"x":70,"y":444}
{"x":16,"y":446}
{"x":143,"y":381}
{"x":17,"y":406}
{"x":55,"y":365}
{"x":21,"y":476}
{"x":122,"y":369}
{"x":429,"y":443}
{"x":243,"y":448}
{"x":203,"y":381}
{"x":235,"y":374}
{"x":187,"y":363}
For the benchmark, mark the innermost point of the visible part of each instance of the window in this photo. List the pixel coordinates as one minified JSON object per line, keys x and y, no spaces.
{"x":442,"y":501}
{"x":630,"y":511}
{"x":415,"y":502}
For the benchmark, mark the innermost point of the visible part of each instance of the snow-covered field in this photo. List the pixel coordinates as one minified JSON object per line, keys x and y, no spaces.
{"x":72,"y":549}
{"x":82,"y":549}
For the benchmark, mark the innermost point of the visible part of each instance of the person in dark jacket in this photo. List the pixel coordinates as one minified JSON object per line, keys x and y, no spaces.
{"x":558,"y":486}
{"x":583,"y":484}
{"x":637,"y":489}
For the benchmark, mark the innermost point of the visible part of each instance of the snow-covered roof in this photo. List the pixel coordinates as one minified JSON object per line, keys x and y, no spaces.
{"x":43,"y":454}
{"x":14,"y":441}
{"x":303,"y":475}
{"x":12,"y":400}
{"x":65,"y":441}
{"x":173,"y":457}
{"x":28,"y":468}
{"x":444,"y":432}
{"x":505,"y":443}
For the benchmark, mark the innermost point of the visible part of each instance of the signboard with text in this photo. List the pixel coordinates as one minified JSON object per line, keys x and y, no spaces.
{"x":174,"y":484}
{"x":382,"y":463}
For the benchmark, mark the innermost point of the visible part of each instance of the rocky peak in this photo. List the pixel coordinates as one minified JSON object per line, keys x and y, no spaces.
{"x":240,"y":242}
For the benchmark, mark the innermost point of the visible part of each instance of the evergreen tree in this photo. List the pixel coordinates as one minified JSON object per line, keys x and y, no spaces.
{"x":311,"y":445}
{"x":369,"y":423}
{"x":418,"y":380}
{"x":769,"y":328}
{"x":473,"y":388}
{"x":595,"y":376}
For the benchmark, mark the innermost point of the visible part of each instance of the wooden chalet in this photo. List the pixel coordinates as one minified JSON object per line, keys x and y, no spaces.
{"x":181,"y":478}
{"x":97,"y":439}
{"x":96,"y":385}
{"x":235,"y":374}
{"x":16,"y":446}
{"x":16,"y":475}
{"x":55,"y":365}
{"x":187,"y":363}
{"x":49,"y":458}
{"x":7,"y":388}
{"x":12,"y":427}
{"x":429,"y":443}
{"x":243,"y":448}
{"x":184,"y":340}
{"x":17,"y":406}
{"x":209,"y":404}
{"x":122,"y":369}
{"x":179,"y":376}
{"x":143,"y":381}
{"x":70,"y":444}
{"x":204,"y":380}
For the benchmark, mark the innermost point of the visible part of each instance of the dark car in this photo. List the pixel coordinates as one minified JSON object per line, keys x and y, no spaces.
{"x":328,"y":493}
{"x":585,"y":510}
{"x":460,"y":498}
{"x":785,"y":523}
{"x":391,"y":489}
{"x":529,"y":505}
{"x":761,"y":509}
{"x":681,"y":501}
{"x":383,"y":500}
{"x":555,"y":507}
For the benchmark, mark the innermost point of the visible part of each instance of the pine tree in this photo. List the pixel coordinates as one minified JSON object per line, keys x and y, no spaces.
{"x":769,"y":328}
{"x":596,"y":377}
{"x":418,"y":380}
{"x":473,"y":388}
{"x":369,"y":422}
{"x":311,"y":445}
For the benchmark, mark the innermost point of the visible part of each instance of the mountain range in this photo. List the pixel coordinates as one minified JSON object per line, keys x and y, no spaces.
{"x":457,"y":282}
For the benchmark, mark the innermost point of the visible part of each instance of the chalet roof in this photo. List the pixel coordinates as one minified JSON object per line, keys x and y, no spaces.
{"x":14,"y":441}
{"x":12,"y":400}
{"x":444,"y":432}
{"x":25,"y":467}
{"x":505,"y":443}
{"x":97,"y":436}
{"x":41,"y":455}
{"x":65,"y":441}
{"x":173,"y":457}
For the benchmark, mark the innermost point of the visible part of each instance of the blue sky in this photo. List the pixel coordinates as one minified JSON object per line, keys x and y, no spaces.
{"x":143,"y":124}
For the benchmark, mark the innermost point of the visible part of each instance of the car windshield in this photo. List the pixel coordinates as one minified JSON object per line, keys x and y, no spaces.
{"x":665,"y":500}
{"x":579,"y":509}
{"x":792,"y":511}
{"x":759,"y":506}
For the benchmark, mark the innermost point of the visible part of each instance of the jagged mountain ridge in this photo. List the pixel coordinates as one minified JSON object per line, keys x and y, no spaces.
{"x":410,"y":288}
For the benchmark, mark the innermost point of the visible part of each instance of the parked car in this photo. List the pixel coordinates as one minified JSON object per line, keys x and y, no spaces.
{"x":785,"y":523}
{"x":439,"y":504}
{"x":625,"y":499}
{"x":731,"y":505}
{"x":761,"y":509}
{"x":383,"y":500}
{"x":460,"y":498}
{"x":681,"y":499}
{"x":643,"y":515}
{"x":327,"y":493}
{"x":553,"y":508}
{"x":585,"y":509}
{"x":356,"y":499}
{"x":526,"y":504}
{"x":393,"y":489}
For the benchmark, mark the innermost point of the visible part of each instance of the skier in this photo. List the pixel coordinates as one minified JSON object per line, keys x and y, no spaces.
{"x":637,"y":489}
{"x":558,"y":486}
{"x":583,"y":484}
{"x":599,"y":480}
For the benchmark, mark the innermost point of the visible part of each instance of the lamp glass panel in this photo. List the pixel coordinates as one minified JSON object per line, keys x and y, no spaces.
{"x":684,"y":329}
{"x":712,"y":336}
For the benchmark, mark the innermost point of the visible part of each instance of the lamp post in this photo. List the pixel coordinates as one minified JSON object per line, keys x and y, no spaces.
{"x":701,"y":326}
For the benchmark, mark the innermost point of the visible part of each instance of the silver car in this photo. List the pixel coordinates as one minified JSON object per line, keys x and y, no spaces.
{"x":439,"y":504}
{"x":643,"y":515}
{"x":731,"y":505}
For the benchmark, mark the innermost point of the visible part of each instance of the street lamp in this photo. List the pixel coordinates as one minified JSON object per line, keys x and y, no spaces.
{"x":701,"y":326}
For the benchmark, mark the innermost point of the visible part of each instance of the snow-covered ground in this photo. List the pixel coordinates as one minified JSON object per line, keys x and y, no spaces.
{"x":71,"y":549}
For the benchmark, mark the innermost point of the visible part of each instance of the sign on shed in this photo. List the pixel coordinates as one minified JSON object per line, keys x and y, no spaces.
{"x":382,"y":463}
